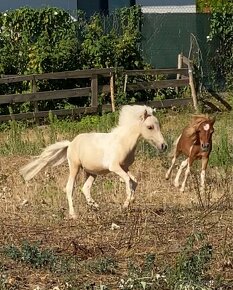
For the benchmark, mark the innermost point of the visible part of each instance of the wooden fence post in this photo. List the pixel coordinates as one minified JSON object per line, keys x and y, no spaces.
{"x":34,"y":90}
{"x":112,"y":86}
{"x":191,"y":83}
{"x":179,"y":65}
{"x":125,"y":83}
{"x":94,"y":90}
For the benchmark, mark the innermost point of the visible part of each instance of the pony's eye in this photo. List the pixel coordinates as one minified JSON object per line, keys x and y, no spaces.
{"x":150,"y":127}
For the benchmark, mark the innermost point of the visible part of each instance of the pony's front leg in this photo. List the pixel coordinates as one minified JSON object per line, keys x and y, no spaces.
{"x":133,"y":184}
{"x":168,"y":173}
{"x":176,"y":153}
{"x":132,"y":177}
{"x":182,"y":166}
{"x":90,"y":178}
{"x":204,"y":163}
{"x":128,"y":182}
{"x":74,"y":169}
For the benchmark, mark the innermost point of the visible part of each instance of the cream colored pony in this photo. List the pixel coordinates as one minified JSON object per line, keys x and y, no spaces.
{"x":100,"y":153}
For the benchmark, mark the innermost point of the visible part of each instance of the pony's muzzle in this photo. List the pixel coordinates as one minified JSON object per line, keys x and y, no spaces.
{"x":205,"y":146}
{"x":164,"y":147}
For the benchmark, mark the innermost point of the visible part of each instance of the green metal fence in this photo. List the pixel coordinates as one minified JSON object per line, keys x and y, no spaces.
{"x":166,"y":35}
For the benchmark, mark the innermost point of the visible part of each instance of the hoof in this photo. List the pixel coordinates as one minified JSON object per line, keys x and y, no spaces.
{"x":125,"y":205}
{"x":176,"y":184}
{"x":134,"y":179}
{"x":132,"y":199}
{"x":167,"y":176}
{"x":93,"y":204}
{"x":181,"y":189}
{"x":73,"y":216}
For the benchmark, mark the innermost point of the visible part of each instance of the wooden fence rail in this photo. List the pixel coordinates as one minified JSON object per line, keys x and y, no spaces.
{"x":34,"y":96}
{"x":91,"y":91}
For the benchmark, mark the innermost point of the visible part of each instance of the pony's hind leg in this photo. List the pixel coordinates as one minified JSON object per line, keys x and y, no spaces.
{"x":90,"y":178}
{"x":74,"y":169}
{"x":182,"y":166}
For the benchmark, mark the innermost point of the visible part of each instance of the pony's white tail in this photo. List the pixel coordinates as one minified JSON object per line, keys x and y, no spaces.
{"x":52,"y":155}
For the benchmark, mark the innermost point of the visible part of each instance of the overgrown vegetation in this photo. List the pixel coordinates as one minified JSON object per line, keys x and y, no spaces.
{"x":17,"y":140}
{"x":31,"y":254}
{"x":50,"y":40}
{"x":189,"y":271}
{"x":221,"y":40}
{"x":210,"y":5}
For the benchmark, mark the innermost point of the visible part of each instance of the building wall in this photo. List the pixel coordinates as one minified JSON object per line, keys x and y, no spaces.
{"x":14,"y":4}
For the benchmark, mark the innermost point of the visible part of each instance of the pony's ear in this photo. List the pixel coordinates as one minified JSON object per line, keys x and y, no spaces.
{"x":145,"y":115}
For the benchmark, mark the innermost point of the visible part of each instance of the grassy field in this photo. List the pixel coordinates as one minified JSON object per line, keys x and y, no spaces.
{"x":166,"y":240}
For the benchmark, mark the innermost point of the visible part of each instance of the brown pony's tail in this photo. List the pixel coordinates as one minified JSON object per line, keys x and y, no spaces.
{"x":52,"y":155}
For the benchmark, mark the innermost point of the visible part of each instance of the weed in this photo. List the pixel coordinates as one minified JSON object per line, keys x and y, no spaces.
{"x":103,"y":265}
{"x":191,"y":265}
{"x":93,"y":286}
{"x":17,"y":141}
{"x":143,"y":277}
{"x":32,"y":255}
{"x":14,"y":143}
{"x":222,"y":151}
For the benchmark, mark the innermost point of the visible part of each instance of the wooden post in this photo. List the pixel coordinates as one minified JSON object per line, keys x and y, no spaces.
{"x":34,"y":90}
{"x":112,"y":85}
{"x":125,"y":83}
{"x":191,"y":83}
{"x":179,"y":65}
{"x":94,"y":91}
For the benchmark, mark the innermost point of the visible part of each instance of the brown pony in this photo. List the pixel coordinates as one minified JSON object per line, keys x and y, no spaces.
{"x":195,"y":142}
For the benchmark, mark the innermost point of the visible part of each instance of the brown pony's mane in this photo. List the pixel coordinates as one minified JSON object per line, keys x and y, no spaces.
{"x":195,"y":123}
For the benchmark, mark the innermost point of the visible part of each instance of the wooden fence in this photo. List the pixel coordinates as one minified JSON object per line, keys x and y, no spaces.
{"x":34,"y":96}
{"x":183,"y":78}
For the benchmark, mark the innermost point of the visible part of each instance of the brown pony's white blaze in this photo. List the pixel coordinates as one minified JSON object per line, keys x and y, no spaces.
{"x":100,"y":153}
{"x":195,"y":142}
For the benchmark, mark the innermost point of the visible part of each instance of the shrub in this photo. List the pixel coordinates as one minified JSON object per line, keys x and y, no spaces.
{"x":221,"y":39}
{"x":189,"y":271}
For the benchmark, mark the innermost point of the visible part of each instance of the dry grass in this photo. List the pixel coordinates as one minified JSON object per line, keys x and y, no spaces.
{"x":160,"y":222}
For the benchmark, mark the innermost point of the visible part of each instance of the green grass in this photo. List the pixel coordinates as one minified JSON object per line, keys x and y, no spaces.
{"x":17,"y":135}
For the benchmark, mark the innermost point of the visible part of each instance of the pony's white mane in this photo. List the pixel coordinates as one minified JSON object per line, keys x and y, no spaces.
{"x":132,"y":114}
